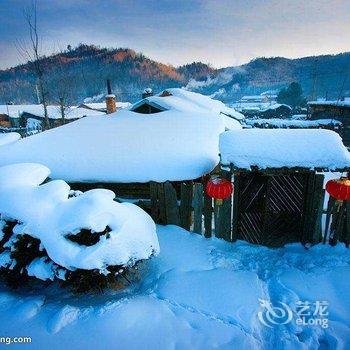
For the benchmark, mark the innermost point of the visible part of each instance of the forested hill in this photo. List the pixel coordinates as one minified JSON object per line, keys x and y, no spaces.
{"x":83,"y":71}
{"x":321,"y":76}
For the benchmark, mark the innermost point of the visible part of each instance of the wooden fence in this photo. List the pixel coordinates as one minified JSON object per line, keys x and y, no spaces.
{"x":306,"y":220}
{"x":299,"y":198}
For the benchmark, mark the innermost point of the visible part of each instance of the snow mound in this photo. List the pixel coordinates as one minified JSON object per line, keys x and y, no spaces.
{"x":125,"y":147}
{"x":46,"y":212}
{"x":9,"y":138}
{"x":269,"y":148}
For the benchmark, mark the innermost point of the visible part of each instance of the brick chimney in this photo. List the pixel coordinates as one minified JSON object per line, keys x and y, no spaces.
{"x":110,"y":99}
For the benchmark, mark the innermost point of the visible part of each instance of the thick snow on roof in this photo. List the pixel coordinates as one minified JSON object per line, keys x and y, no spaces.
{"x":15,"y":111}
{"x":46,"y":212}
{"x":10,"y":137}
{"x":187,"y":101}
{"x":102,"y":105}
{"x":125,"y":147}
{"x":292,"y":123}
{"x":276,"y":106}
{"x":266,"y":148}
{"x":345,"y":103}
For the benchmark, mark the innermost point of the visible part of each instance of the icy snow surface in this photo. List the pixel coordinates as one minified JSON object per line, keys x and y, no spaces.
{"x":45,"y":212}
{"x":125,"y":147}
{"x":268,"y":148}
{"x":197,"y":294}
{"x":10,"y":137}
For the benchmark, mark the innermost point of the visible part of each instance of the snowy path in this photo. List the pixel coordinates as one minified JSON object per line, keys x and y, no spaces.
{"x":197,"y":294}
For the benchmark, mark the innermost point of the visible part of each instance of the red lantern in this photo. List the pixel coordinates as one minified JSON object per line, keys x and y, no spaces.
{"x":339,"y":189}
{"x":219,"y":189}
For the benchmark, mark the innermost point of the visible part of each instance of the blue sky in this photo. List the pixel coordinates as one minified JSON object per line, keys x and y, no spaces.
{"x":220,"y":32}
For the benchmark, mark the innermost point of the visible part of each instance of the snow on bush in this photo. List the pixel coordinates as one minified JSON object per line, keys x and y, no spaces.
{"x":49,"y":232}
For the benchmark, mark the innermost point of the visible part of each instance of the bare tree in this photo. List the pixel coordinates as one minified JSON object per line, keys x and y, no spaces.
{"x":62,"y":84}
{"x":33,"y":54}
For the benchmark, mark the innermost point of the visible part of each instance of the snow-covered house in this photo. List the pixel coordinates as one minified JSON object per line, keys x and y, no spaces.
{"x":339,"y":110}
{"x":278,"y":181}
{"x":126,"y":151}
{"x":186,"y":101}
{"x":30,"y":117}
{"x":33,"y":115}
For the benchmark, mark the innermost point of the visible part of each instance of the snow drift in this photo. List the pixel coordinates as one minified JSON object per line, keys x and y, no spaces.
{"x":50,"y":213}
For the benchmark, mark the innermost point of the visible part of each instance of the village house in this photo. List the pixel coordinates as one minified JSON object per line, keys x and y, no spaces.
{"x":164,"y":161}
{"x":29,"y":118}
{"x":339,"y":110}
{"x":279,"y":180}
{"x":184,"y":101}
{"x":157,"y":158}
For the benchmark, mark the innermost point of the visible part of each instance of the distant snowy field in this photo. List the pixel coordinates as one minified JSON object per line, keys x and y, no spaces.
{"x":197,"y":294}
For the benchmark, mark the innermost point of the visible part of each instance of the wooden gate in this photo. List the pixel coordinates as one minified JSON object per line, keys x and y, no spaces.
{"x":272,"y":209}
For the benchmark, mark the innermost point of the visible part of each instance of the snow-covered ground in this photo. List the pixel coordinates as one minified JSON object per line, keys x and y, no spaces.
{"x":10,"y":137}
{"x":197,"y":294}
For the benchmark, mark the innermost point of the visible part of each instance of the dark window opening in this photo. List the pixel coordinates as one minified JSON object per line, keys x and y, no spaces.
{"x":147,"y":109}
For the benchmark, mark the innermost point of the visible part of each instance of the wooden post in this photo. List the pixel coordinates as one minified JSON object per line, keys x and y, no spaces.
{"x":330,"y":208}
{"x":198,"y":207}
{"x":337,"y":224}
{"x":153,"y":187}
{"x":207,"y":210}
{"x":171,"y":206}
{"x":161,"y":204}
{"x":347,"y":225}
{"x":235,"y":206}
{"x":208,"y":216}
{"x":308,"y":227}
{"x":224,"y":220}
{"x":186,"y":205}
{"x":319,"y":194}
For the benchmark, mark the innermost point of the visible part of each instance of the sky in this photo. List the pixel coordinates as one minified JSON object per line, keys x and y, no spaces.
{"x":220,"y":32}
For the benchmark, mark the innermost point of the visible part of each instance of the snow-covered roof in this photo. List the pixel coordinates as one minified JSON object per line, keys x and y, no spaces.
{"x":125,"y":147}
{"x":15,"y":111}
{"x":270,"y":148}
{"x":6,"y":138}
{"x":276,"y":106}
{"x":250,"y":106}
{"x":253,"y":97}
{"x":339,"y":103}
{"x":188,"y":101}
{"x":293,"y":123}
{"x":102,"y":105}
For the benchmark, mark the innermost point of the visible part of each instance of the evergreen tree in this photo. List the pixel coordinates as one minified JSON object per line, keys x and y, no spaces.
{"x":292,"y":96}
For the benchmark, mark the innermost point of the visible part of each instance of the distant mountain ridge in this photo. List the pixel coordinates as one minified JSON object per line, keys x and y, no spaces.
{"x":321,"y":76}
{"x":86,"y":68}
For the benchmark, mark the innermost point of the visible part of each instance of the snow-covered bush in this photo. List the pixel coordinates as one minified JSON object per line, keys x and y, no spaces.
{"x":86,"y":240}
